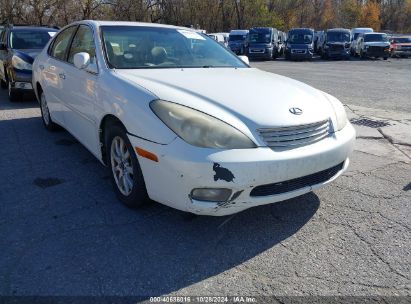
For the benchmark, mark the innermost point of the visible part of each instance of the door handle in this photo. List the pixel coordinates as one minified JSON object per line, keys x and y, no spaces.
{"x":41,"y":67}
{"x":62,"y":76}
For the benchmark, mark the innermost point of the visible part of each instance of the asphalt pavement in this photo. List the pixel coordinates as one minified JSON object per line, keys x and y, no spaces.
{"x":62,"y":231}
{"x":373,"y":83}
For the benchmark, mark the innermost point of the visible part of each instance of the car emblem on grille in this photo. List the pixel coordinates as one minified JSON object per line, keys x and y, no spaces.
{"x":296,"y":111}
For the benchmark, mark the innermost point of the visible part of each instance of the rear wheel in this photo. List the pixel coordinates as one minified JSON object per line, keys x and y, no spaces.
{"x":126,"y":174}
{"x":45,"y":114}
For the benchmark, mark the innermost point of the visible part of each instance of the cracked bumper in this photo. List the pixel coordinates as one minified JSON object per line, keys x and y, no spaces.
{"x":182,"y":167}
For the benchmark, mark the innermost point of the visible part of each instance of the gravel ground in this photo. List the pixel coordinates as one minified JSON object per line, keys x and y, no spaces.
{"x":62,"y":231}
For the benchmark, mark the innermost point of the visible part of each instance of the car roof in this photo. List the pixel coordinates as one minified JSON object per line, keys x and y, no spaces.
{"x":305,"y":29}
{"x":238,"y":32}
{"x":361,"y":29}
{"x":37,"y":28}
{"x":261,"y":28}
{"x":373,"y":33}
{"x":338,"y":30}
{"x":98,"y":23}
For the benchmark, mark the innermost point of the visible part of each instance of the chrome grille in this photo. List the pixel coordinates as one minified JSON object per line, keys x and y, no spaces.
{"x":295,"y":135}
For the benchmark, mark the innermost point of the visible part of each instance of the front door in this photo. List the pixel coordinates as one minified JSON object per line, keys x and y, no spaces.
{"x":79,"y":95}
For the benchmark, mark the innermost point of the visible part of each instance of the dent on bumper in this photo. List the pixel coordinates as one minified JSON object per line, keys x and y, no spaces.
{"x":182,"y":167}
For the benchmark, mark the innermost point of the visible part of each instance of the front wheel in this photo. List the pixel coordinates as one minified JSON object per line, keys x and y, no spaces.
{"x":126,"y":174}
{"x":14,"y":95}
{"x":3,"y":84}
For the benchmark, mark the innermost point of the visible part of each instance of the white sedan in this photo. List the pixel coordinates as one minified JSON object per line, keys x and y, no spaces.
{"x":181,"y":120}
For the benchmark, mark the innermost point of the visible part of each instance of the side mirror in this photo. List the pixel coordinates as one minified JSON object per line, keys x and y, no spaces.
{"x":244,"y":59}
{"x":81,"y":60}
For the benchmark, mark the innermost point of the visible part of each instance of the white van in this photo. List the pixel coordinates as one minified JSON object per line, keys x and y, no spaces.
{"x":217,"y":37}
{"x":355,"y":33}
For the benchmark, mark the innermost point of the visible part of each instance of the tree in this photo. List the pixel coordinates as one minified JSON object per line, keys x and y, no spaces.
{"x":350,"y":11}
{"x":370,"y":15}
{"x":327,"y":15}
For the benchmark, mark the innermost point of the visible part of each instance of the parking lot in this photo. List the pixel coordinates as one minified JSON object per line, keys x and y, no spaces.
{"x":62,"y":231}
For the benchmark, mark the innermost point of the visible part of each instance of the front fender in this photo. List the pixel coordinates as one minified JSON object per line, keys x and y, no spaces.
{"x":130,"y":104}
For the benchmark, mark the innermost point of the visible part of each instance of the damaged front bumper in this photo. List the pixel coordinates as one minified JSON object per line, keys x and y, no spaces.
{"x":182,"y":168}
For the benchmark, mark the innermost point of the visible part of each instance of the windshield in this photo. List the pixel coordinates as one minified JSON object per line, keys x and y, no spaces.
{"x":300,"y":37}
{"x":260,"y":36}
{"x":376,"y":38}
{"x":402,"y":40}
{"x":237,"y":37}
{"x":138,"y":47}
{"x":338,"y":37}
{"x":30,"y":39}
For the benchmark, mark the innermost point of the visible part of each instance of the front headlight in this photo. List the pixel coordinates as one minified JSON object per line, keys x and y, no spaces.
{"x":340,"y":114}
{"x":199,"y":129}
{"x":20,"y":64}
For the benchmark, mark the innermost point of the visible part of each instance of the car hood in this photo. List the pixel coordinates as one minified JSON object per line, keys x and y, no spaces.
{"x":375,"y":43}
{"x":243,"y":96}
{"x":27,"y":54}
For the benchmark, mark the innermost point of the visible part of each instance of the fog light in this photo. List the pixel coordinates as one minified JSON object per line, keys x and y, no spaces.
{"x":210,"y":194}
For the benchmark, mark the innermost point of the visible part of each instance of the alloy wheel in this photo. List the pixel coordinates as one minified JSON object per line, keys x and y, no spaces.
{"x":45,"y":109}
{"x":121,"y":166}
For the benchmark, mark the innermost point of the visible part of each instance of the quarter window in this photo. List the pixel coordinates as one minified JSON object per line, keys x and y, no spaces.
{"x":61,"y":42}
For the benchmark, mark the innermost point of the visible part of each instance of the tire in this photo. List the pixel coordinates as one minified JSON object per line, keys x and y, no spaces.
{"x":3,"y":84}
{"x":362,"y":55}
{"x":45,"y":114}
{"x":126,"y":175}
{"x":14,"y":95}
{"x":385,"y":58}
